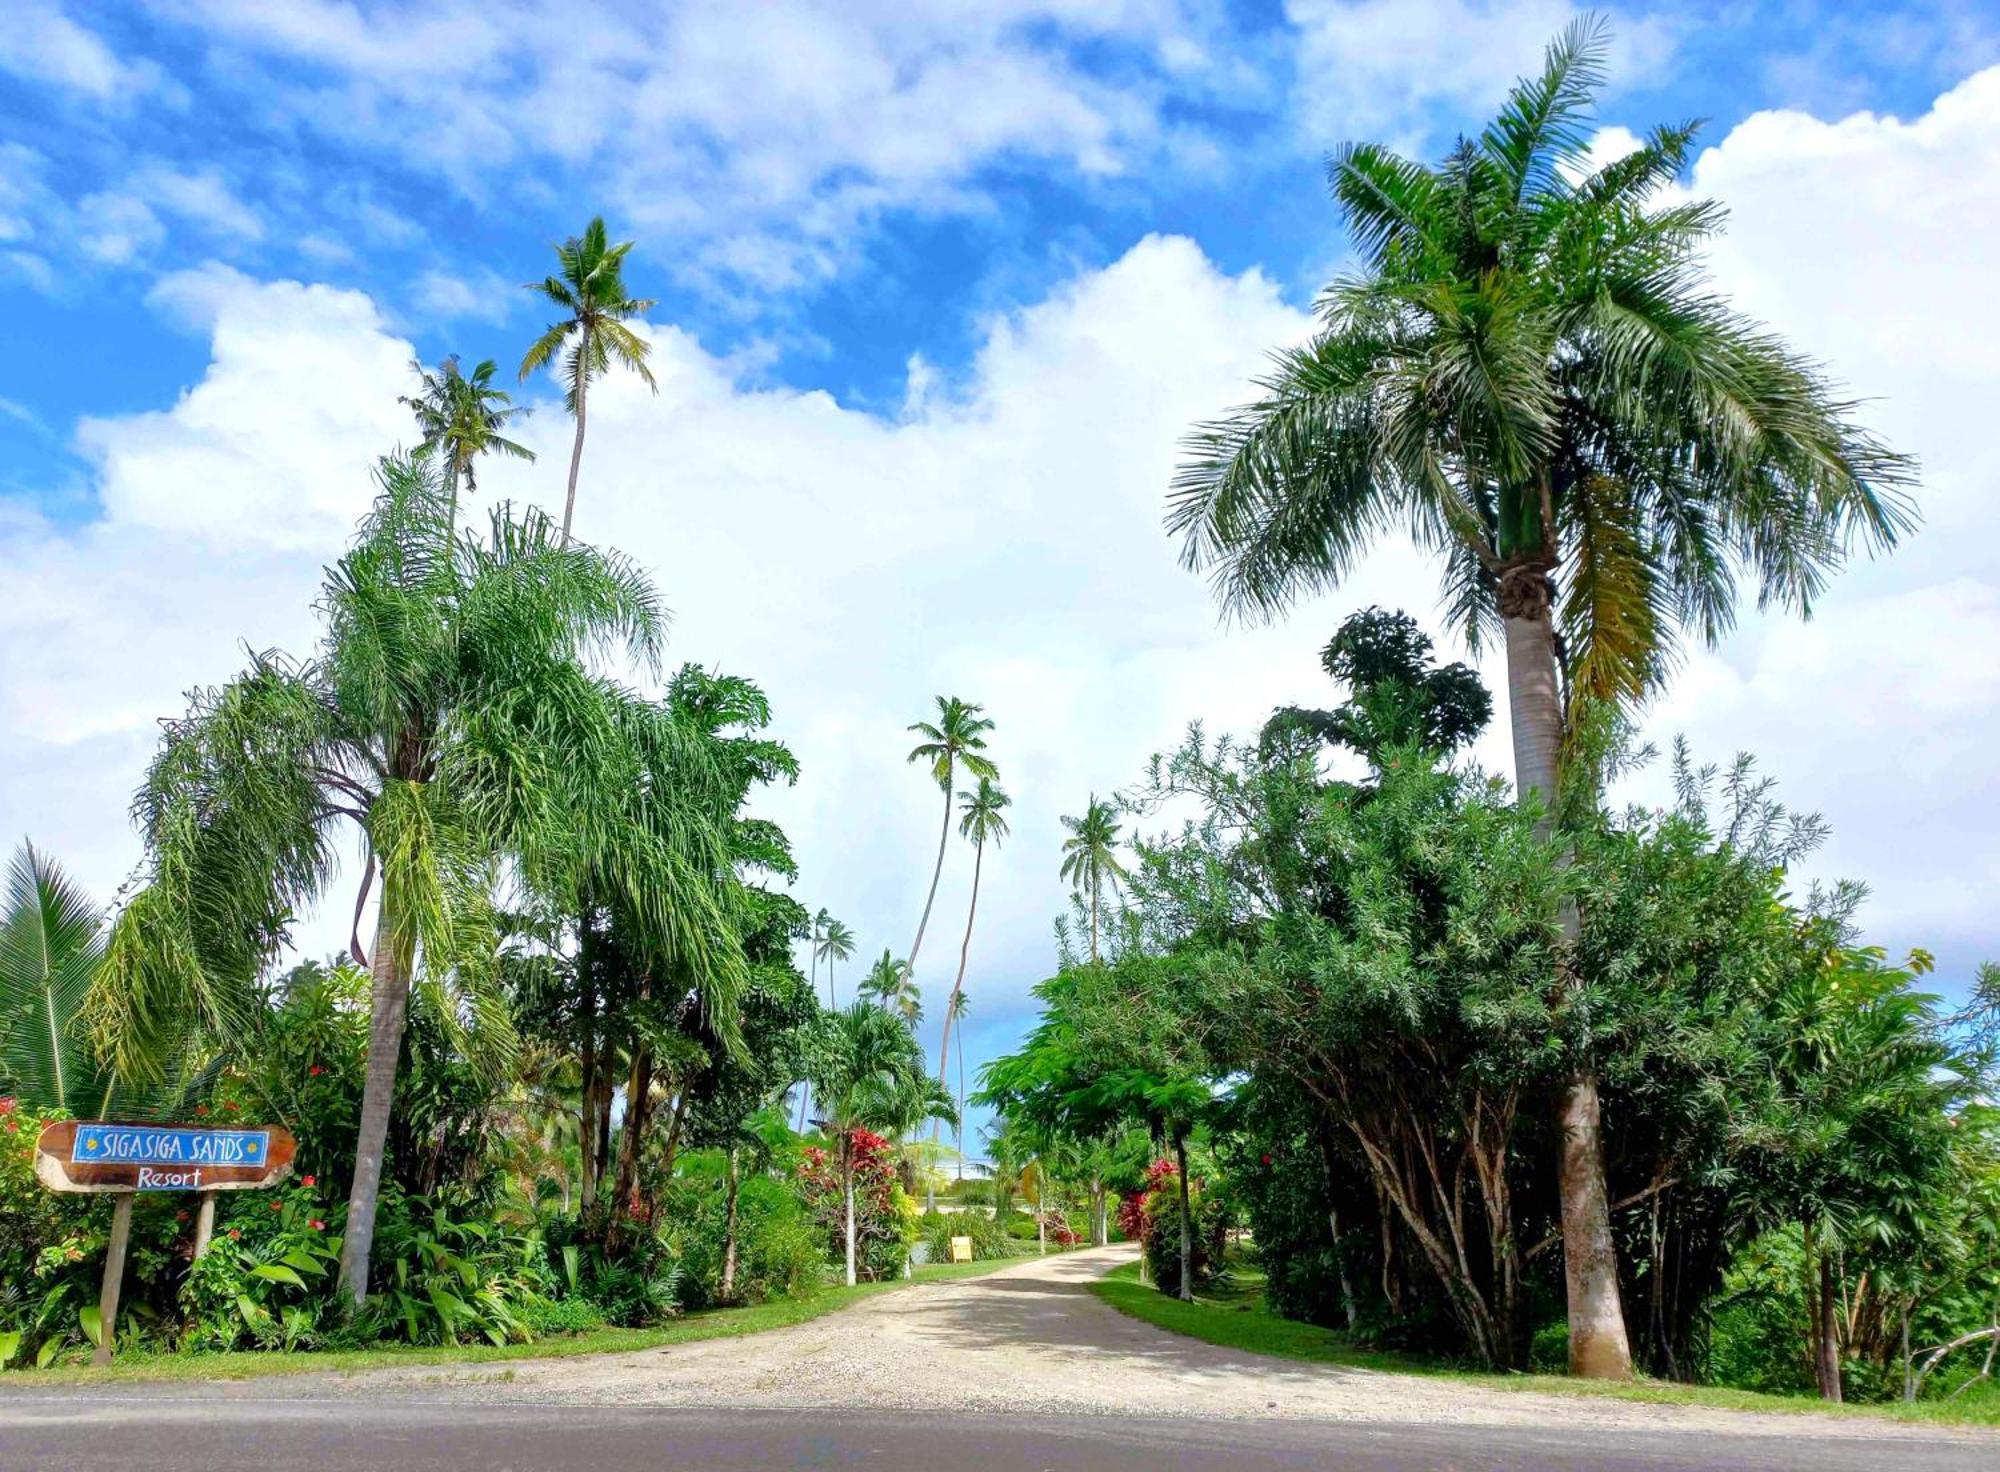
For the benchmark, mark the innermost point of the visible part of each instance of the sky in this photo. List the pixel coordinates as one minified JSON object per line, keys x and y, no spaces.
{"x":938,"y":289}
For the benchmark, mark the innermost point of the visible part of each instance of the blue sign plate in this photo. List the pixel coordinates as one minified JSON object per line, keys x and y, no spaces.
{"x":134,"y":1144}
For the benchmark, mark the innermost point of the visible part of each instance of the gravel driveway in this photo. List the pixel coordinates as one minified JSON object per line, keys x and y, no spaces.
{"x":1028,"y":1338}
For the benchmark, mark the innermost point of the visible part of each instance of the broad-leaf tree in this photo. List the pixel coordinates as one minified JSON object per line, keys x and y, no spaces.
{"x":1530,"y":371}
{"x":589,"y":288}
{"x":956,"y":739}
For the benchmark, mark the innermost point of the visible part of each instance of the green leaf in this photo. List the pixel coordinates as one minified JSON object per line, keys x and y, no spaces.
{"x":252,"y":1311}
{"x":46,"y":1355}
{"x":10,"y":1345}
{"x":93,"y":1325}
{"x":304,"y":1261}
{"x":277,"y":1273}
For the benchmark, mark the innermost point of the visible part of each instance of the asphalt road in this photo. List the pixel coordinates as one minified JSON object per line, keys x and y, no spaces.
{"x":112,"y":1431}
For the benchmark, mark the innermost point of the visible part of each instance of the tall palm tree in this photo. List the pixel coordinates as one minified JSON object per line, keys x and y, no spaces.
{"x":982,"y":819}
{"x":890,"y":986}
{"x":1090,"y":857}
{"x":836,"y":943}
{"x":868,"y":1073}
{"x":436,"y":718}
{"x":1531,"y":371}
{"x":957,"y":1012}
{"x":815,"y":951}
{"x":590,"y":288}
{"x":460,"y":417}
{"x":957,"y":739}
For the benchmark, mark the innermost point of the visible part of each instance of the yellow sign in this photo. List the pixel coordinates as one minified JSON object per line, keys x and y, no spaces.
{"x":961,"y":1249}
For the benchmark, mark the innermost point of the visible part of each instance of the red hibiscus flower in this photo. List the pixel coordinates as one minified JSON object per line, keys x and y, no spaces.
{"x":317,"y":1225}
{"x":315,"y":1071}
{"x":234,"y":1234}
{"x":231,"y":1105}
{"x":275,"y":1206}
{"x":1267,"y":1160}
{"x":310,"y":1180}
{"x":180,"y":1216}
{"x":201,"y":1111}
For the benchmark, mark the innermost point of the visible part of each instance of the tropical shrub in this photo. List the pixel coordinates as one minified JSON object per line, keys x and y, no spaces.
{"x":1161,"y":1228}
{"x":886,"y":1219}
{"x":267,"y":1279}
{"x":445,"y":1275}
{"x":989,"y":1238}
{"x":51,"y":1247}
{"x":780,"y":1251}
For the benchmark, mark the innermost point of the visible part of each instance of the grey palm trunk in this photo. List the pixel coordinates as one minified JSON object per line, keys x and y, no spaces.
{"x":944,"y":837}
{"x":847,"y":1188}
{"x":388,"y":1002}
{"x":950,"y":1014}
{"x":576,"y":450}
{"x":1598,"y":1347}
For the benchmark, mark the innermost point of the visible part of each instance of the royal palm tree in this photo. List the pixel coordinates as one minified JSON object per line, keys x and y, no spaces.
{"x":460,"y":417}
{"x":836,"y":943}
{"x":436,"y":720}
{"x":1090,"y":857}
{"x":890,"y":986}
{"x":982,"y":819}
{"x":590,"y":288}
{"x":868,"y":1073}
{"x":1530,"y":370}
{"x":957,"y":739}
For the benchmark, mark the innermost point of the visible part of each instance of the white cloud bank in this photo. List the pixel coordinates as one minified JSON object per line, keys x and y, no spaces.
{"x":1003,"y":542}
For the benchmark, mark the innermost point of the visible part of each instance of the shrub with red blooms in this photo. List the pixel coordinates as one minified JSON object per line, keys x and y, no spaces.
{"x":878,"y":1238}
{"x":1056,"y":1225}
{"x":1153,"y":1218}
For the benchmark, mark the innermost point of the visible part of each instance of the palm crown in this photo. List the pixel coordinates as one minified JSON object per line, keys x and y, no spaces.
{"x":590,"y":287}
{"x":1090,"y":853}
{"x":957,"y":738}
{"x":1532,"y":373}
{"x":461,"y":416}
{"x":982,"y":813}
{"x":889,"y":982}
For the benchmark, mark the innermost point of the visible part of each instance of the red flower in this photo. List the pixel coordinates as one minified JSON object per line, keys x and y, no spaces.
{"x":276,"y":1207}
{"x":7,"y":1105}
{"x":13,"y":1126}
{"x":234,"y":1234}
{"x":231,"y":1105}
{"x":317,"y":1225}
{"x":315,"y":1071}
{"x":181,"y":1216}
{"x":201,"y":1111}
{"x":1267,"y":1160}
{"x":310,"y":1180}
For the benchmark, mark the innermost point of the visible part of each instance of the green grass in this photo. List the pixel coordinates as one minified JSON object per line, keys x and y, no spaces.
{"x":726,"y":1323}
{"x":1235,"y":1317}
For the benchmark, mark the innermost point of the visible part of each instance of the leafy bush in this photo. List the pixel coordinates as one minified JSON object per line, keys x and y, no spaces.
{"x":989,"y":1238}
{"x":638,"y":1285}
{"x":886,"y":1219}
{"x":545,"y":1316}
{"x":51,"y":1247}
{"x":269,"y":1277}
{"x":780,"y":1253}
{"x":1160,"y":1213}
{"x":441,"y":1277}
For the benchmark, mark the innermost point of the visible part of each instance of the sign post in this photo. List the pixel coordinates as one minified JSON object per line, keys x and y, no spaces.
{"x":99,"y":1156}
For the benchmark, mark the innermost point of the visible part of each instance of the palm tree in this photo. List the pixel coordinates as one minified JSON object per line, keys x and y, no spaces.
{"x":982,"y":819}
{"x":836,"y":943}
{"x":815,"y":951}
{"x":958,"y":738}
{"x":433,"y":719}
{"x":590,"y":288}
{"x":869,"y":1074}
{"x":957,"y":1014}
{"x":460,"y":417}
{"x":1531,"y":371}
{"x":1090,"y":857}
{"x":890,"y":986}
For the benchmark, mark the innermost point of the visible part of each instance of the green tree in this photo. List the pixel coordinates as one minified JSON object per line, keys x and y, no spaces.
{"x":1531,"y":370}
{"x":1090,"y":857}
{"x":590,"y":288}
{"x":432,"y":721}
{"x":956,"y":739}
{"x":868,"y":1074}
{"x":982,"y":820}
{"x":460,"y":417}
{"x":890,"y":985}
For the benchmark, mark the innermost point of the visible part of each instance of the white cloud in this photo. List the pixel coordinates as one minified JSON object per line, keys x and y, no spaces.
{"x":202,"y":196}
{"x":479,"y":294}
{"x":40,"y":42}
{"x":117,"y":228}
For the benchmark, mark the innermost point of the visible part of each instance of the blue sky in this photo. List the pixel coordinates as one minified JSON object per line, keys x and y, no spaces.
{"x":938,"y":286}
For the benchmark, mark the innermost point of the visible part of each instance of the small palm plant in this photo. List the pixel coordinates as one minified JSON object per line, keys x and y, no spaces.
{"x":461,"y":416}
{"x":1090,"y":857}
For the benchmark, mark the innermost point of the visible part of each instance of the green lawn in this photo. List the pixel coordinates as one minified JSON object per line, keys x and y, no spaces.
{"x":1235,"y":1317}
{"x":713,"y":1324}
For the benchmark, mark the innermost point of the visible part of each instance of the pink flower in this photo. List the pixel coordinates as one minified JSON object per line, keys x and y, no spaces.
{"x":310,"y":1180}
{"x":1267,"y":1160}
{"x":317,"y":1225}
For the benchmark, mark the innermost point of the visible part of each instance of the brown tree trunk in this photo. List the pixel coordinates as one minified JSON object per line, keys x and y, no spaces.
{"x":389,"y":1000}
{"x":1598,"y":1347}
{"x":1186,"y":1294}
{"x":729,"y":1230}
{"x":638,"y":1090}
{"x":576,"y":451}
{"x":1826,"y":1329}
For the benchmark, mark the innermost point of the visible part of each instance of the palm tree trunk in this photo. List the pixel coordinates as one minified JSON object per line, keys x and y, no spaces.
{"x":729,"y":1230}
{"x":1598,"y":1347}
{"x":1826,"y":1326}
{"x":638,"y":1088}
{"x":944,"y":835}
{"x":587,"y":1051}
{"x":388,"y":1003}
{"x":1093,"y":920}
{"x":1186,"y":1294}
{"x":950,"y":1010}
{"x":847,"y":1189}
{"x":576,"y":450}
{"x":961,"y":1110}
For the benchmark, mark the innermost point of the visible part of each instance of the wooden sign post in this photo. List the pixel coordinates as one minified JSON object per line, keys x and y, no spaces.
{"x":125,"y":1159}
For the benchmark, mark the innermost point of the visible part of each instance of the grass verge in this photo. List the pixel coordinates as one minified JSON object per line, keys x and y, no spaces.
{"x":724,"y":1323}
{"x":1235,"y":1317}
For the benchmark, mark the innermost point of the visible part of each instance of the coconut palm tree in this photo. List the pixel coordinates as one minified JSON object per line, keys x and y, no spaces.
{"x":836,"y":943}
{"x":890,"y":986}
{"x":868,"y":1073}
{"x":1531,"y":372}
{"x":958,"y":1010}
{"x":957,"y":739}
{"x":982,"y":819}
{"x":1090,"y":857}
{"x":460,"y":417}
{"x":447,"y":716}
{"x":589,"y":288}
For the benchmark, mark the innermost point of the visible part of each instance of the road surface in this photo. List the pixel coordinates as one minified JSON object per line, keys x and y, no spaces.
{"x":1020,"y":1368}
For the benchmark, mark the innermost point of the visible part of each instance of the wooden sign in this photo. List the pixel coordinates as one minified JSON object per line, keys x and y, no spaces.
{"x":961,"y":1249}
{"x":96,"y":1155}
